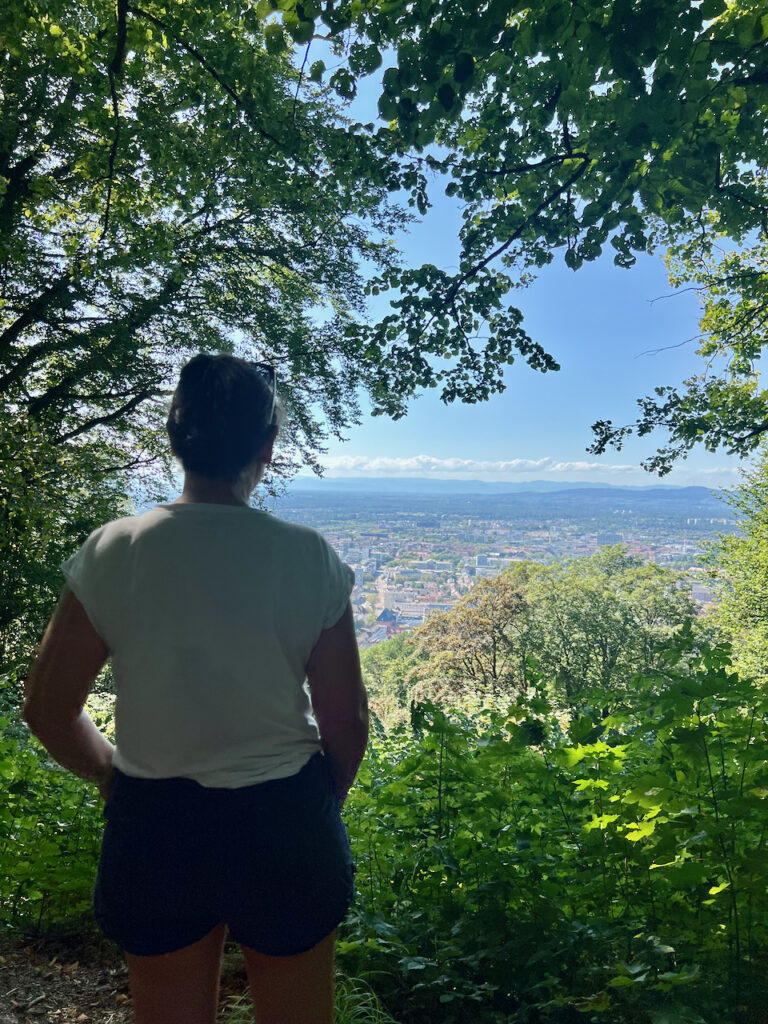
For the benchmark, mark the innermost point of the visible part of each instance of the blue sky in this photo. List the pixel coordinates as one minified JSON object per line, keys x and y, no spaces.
{"x":616,"y":334}
{"x":601,"y":323}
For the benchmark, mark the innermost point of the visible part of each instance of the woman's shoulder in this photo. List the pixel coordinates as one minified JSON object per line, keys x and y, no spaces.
{"x":124,"y":526}
{"x":293,"y":541}
{"x":296,"y":533}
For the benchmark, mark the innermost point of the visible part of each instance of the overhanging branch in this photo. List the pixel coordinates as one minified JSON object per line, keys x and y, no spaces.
{"x":198,"y":56}
{"x":114,"y":69}
{"x":108,"y":418}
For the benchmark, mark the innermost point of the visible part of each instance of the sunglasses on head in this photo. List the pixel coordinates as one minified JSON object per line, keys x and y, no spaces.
{"x":267,"y":370}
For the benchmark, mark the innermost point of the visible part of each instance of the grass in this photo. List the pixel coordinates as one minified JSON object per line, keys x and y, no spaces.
{"x":355,"y":1003}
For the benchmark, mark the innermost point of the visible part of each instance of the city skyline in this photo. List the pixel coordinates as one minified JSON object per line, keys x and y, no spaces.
{"x":415,"y":554}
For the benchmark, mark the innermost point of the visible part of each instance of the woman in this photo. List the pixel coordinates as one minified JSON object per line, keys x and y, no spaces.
{"x":224,"y":786}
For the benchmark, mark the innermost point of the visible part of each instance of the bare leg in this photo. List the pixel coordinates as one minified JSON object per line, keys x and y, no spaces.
{"x":293,"y":989}
{"x":180,"y":987}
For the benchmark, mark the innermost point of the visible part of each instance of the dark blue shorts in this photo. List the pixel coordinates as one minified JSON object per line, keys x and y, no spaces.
{"x":177,"y":858}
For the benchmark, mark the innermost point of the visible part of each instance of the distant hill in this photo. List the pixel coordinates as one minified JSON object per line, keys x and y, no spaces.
{"x":468,"y":497}
{"x":425,"y":485}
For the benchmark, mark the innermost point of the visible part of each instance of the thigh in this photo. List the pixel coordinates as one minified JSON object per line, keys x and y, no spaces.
{"x":293,"y":989}
{"x":180,"y":987}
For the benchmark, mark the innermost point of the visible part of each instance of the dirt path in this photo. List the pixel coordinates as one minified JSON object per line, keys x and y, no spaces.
{"x":80,"y":981}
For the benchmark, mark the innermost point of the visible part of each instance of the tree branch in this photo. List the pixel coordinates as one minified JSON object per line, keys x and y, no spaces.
{"x":115,"y":69}
{"x":193,"y":52}
{"x":755,"y":432}
{"x":17,"y":176}
{"x":547,"y":162}
{"x":138,"y":317}
{"x":463,"y":278}
{"x":127,"y":465}
{"x":758,"y":78}
{"x":298,"y":86}
{"x":108,"y":418}
{"x":38,"y":305}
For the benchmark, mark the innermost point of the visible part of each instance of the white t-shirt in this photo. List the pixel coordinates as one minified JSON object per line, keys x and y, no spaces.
{"x":210,"y":613}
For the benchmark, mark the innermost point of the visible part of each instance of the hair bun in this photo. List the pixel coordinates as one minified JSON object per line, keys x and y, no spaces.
{"x":218,"y":417}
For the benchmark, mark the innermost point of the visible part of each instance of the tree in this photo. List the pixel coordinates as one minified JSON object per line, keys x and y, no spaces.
{"x":589,"y":624}
{"x":483,"y":641}
{"x":604,"y":619}
{"x":49,"y":502}
{"x":738,"y":566}
{"x":166,"y":186}
{"x":183,"y":173}
{"x":727,"y":408}
{"x":565,"y":127}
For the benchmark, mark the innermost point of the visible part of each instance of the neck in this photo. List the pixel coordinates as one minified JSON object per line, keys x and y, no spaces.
{"x":200,"y":489}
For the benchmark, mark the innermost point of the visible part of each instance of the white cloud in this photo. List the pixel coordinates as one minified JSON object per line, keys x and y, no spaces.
{"x":429,"y":465}
{"x":420,"y":465}
{"x":519,"y":469}
{"x":589,"y":467}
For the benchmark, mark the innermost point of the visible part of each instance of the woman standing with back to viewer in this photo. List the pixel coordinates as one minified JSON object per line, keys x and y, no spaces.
{"x":224,"y":787}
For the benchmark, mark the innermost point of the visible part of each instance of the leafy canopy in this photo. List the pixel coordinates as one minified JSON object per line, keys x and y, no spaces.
{"x":169,"y":176}
{"x":178,"y":177}
{"x":565,"y":128}
{"x":165,"y":188}
{"x":738,"y":568}
{"x":588,"y":625}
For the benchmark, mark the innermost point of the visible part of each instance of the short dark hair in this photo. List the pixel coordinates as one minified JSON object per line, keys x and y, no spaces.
{"x":219,"y":413}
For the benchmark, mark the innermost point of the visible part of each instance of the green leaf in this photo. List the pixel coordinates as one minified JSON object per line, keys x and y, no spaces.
{"x":447,"y":96}
{"x":387,"y":107}
{"x":641,"y":830}
{"x":344,"y":83}
{"x":464,"y":68}
{"x":274,"y":39}
{"x":363,"y":60}
{"x":300,"y":30}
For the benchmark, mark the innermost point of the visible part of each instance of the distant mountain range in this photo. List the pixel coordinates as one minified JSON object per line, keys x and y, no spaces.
{"x":425,"y":485}
{"x":542,"y":498}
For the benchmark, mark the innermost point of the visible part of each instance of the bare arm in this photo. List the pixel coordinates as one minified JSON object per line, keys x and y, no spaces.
{"x":339,"y":700}
{"x":69,"y":658}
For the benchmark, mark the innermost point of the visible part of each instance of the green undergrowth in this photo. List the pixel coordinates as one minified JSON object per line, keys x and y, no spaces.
{"x":513,"y":864}
{"x":513,"y":867}
{"x":355,"y":1003}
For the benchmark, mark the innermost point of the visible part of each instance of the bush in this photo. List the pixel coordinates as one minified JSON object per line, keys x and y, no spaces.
{"x":511,"y":869}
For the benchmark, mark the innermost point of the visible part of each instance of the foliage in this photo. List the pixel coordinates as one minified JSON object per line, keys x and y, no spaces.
{"x":513,"y":865}
{"x":50,"y":829}
{"x":565,"y":128}
{"x":165,"y":187}
{"x":726,"y":408}
{"x":50,"y":500}
{"x":355,"y":1002}
{"x":738,"y":566}
{"x":589,"y":624}
{"x":388,"y":669}
{"x":182,"y":176}
{"x":484,"y":640}
{"x":510,"y":871}
{"x":178,"y":177}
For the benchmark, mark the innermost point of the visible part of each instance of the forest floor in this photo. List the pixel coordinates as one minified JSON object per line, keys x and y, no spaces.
{"x":80,"y":981}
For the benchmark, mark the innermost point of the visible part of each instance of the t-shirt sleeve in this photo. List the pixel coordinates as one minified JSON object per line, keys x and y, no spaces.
{"x":341,"y":582}
{"x":86,"y":575}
